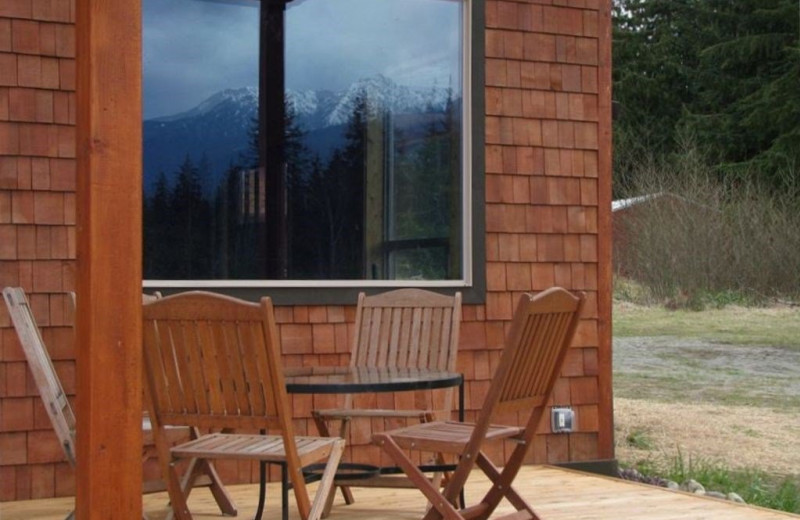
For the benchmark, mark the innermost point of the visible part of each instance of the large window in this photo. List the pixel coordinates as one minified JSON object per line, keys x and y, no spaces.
{"x":320,"y":142}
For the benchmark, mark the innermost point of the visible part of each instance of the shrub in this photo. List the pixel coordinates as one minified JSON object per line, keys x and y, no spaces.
{"x":694,"y":240}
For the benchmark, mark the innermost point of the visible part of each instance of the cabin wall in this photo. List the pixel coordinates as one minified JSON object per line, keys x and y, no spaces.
{"x":547,"y":194}
{"x":37,"y":229}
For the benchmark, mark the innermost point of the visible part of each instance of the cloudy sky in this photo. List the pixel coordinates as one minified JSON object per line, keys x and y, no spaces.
{"x":195,"y":48}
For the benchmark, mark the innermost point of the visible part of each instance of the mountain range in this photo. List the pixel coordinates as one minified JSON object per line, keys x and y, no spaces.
{"x":218,"y":128}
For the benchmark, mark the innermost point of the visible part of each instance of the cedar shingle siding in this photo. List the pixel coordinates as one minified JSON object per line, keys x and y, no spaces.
{"x":547,"y":222}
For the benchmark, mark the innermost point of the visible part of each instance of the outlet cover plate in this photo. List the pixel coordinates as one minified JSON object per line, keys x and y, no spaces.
{"x":562,"y":419}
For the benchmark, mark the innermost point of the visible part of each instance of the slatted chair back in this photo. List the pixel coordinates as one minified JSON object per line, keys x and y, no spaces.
{"x":212,"y":362}
{"x":543,"y":329}
{"x":541,"y":333}
{"x":407,"y":328}
{"x":52,"y":393}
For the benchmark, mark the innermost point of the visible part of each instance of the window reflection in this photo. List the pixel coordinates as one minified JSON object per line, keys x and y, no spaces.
{"x":338,"y":157}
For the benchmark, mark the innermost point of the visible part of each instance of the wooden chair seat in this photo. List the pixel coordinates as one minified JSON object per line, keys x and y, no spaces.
{"x":541,"y":334}
{"x":448,"y":436}
{"x":269,"y":448}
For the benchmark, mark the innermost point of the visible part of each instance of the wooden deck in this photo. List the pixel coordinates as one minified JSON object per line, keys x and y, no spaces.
{"x":555,"y":494}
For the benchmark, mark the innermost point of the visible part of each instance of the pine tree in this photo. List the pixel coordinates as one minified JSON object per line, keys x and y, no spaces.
{"x":748,"y":114}
{"x":350,"y":188}
{"x":656,"y":54}
{"x":192,"y":222}
{"x":158,"y":230}
{"x":725,"y":73}
{"x":426,"y":187}
{"x":298,"y":164}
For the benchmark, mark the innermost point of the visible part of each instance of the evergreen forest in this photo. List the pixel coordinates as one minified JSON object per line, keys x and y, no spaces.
{"x":383,"y":204}
{"x":706,"y":98}
{"x":719,"y":77}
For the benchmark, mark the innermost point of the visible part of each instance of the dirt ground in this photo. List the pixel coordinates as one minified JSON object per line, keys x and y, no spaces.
{"x":738,"y":405}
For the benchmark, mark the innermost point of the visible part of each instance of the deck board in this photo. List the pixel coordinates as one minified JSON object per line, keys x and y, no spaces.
{"x":555,"y":494}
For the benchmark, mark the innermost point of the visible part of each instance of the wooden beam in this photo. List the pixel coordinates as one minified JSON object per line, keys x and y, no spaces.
{"x":109,"y":259}
{"x":604,"y":238}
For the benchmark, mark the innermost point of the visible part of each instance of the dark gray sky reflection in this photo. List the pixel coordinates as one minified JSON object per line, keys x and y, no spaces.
{"x":195,"y":48}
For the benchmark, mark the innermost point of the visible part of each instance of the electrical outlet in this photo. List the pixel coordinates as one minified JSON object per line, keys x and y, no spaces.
{"x":562,"y":419}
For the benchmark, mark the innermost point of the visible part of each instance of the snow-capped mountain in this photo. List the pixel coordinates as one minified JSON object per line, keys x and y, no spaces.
{"x":219,"y":127}
{"x":242,"y":100}
{"x":382,"y":93}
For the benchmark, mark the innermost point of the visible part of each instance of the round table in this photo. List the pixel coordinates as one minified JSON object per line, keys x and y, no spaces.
{"x":356,"y":380}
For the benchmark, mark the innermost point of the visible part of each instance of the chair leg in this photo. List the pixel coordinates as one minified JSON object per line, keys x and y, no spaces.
{"x":169,"y":473}
{"x":438,"y":459}
{"x":503,"y":489}
{"x":322,"y":428}
{"x":284,"y":493}
{"x":344,"y":428}
{"x":199,"y":467}
{"x":347,"y":494}
{"x":176,"y":497}
{"x":326,"y":487}
{"x":221,"y":495}
{"x":441,"y":505}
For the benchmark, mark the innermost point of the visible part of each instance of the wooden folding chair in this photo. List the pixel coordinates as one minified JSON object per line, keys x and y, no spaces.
{"x":60,"y":411}
{"x":213,"y":362}
{"x":44,"y":374}
{"x":199,"y":472}
{"x":404,"y":328}
{"x":540,"y":336}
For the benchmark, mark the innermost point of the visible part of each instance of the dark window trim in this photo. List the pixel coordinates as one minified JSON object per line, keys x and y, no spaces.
{"x":474,"y":294}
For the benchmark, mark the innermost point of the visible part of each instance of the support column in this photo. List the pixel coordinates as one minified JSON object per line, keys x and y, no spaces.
{"x":605,"y":439}
{"x":109,"y":259}
{"x":272,"y":138}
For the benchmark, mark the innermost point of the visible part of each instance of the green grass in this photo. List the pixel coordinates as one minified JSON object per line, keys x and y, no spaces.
{"x":755,"y":487}
{"x":779,"y":327}
{"x":724,"y":321}
{"x":640,"y":440}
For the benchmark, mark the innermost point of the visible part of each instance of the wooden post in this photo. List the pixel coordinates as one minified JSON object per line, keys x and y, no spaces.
{"x":604,"y":238}
{"x":109,"y":259}
{"x":273,"y":243}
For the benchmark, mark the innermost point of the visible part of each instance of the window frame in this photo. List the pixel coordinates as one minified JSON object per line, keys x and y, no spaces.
{"x":473,"y":282}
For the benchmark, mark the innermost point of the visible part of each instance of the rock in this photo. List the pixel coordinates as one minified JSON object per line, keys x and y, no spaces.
{"x":631,"y":474}
{"x":693,"y":486}
{"x":734,"y":497}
